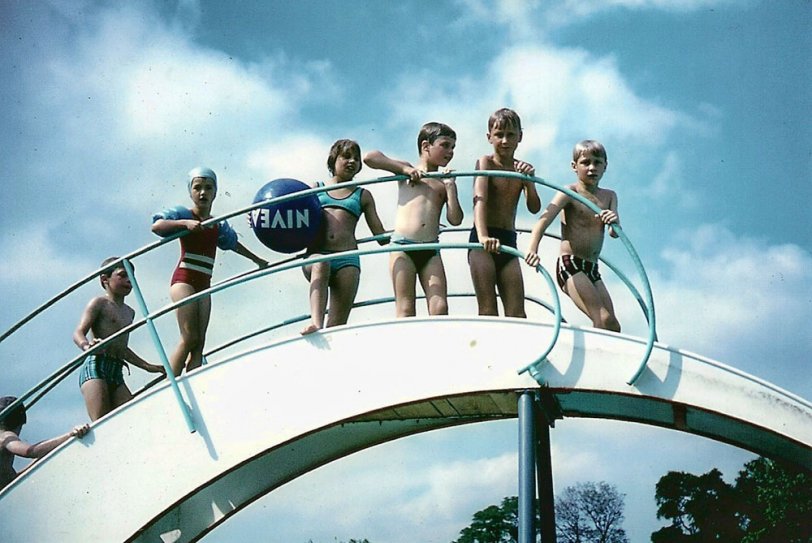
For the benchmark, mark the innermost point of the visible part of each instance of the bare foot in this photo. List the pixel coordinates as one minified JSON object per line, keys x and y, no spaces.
{"x":309,"y":329}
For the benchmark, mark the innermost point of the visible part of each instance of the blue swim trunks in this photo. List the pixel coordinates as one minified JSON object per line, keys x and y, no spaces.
{"x":101,"y":366}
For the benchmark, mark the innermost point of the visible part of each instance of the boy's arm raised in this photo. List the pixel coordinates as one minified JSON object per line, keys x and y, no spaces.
{"x":529,"y":188}
{"x":379,"y":161}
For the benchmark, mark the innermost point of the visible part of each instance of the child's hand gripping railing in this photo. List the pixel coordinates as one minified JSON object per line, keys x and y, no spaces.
{"x":648,"y":306}
{"x":289,"y":263}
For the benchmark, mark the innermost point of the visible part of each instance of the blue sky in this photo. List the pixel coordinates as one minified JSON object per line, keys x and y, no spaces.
{"x":703,"y":106}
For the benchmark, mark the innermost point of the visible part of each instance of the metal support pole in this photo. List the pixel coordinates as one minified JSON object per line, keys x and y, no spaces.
{"x":184,"y":408}
{"x":544,"y":466}
{"x":527,"y":468}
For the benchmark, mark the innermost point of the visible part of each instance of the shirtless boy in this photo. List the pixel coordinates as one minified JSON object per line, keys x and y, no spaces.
{"x":102,"y":377}
{"x":582,"y":236}
{"x":11,"y":445}
{"x":495,"y":202}
{"x":420,"y":203}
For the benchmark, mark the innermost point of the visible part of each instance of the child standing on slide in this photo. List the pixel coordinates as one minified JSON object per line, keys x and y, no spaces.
{"x":101,"y":378}
{"x":193,"y":272}
{"x":420,"y":202}
{"x":340,"y":208}
{"x":496,"y":201}
{"x":582,"y":236}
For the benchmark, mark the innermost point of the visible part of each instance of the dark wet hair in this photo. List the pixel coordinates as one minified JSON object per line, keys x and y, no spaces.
{"x":339,"y":148}
{"x":16,"y":418}
{"x":504,"y":117}
{"x":431,"y":131}
{"x":107,"y":270}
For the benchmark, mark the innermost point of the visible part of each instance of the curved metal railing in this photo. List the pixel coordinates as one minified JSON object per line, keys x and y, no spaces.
{"x":47,"y":384}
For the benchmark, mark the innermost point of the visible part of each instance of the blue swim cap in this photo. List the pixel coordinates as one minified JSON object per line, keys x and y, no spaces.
{"x":202,"y":171}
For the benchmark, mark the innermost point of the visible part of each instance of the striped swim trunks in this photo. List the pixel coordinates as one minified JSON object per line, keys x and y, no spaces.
{"x":101,"y":366}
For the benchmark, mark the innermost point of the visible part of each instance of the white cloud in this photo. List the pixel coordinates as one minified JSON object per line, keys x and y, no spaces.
{"x":29,"y":255}
{"x":515,"y":15}
{"x":295,"y":153}
{"x":562,"y":95}
{"x":737,"y":298}
{"x":582,"y":8}
{"x":669,"y":183}
{"x":132,"y":103}
{"x":448,"y":489}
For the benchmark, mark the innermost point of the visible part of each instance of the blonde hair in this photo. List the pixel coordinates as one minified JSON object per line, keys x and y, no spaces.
{"x":589,"y":147}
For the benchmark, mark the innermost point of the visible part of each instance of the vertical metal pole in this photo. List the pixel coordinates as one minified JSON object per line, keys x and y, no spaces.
{"x":187,"y":416}
{"x":544,"y":466}
{"x":527,"y":468}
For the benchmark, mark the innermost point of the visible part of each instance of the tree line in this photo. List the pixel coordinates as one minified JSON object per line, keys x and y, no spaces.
{"x":769,"y":502}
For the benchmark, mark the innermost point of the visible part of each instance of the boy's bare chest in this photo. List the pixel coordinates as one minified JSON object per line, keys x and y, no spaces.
{"x":601,"y":198}
{"x":113,"y":317}
{"x":430,"y":189}
{"x":504,"y":186}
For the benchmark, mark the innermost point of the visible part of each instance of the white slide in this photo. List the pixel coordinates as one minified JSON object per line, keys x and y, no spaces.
{"x":270,"y":414}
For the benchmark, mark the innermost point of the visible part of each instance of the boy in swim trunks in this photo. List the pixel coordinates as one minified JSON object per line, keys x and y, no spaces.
{"x":340,"y":208}
{"x":11,"y":424}
{"x":582,"y":236}
{"x":495,"y":203}
{"x":193,"y":273}
{"x":420,"y":202}
{"x":101,"y":378}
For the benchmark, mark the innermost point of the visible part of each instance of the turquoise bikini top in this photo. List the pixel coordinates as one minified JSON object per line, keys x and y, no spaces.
{"x":351,"y":204}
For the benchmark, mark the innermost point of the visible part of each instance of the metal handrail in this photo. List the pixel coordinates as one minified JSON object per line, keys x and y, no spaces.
{"x":288,"y":263}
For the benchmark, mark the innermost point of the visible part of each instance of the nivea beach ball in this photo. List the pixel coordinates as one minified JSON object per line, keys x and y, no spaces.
{"x":288,"y":226}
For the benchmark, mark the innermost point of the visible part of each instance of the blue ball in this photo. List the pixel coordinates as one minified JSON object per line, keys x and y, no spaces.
{"x":289,"y":226}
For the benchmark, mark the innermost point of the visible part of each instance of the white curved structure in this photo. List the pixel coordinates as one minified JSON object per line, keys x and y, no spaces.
{"x":268,"y":415}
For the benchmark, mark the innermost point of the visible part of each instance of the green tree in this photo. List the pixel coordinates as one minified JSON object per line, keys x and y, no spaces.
{"x":769,"y":502}
{"x":700,"y":508}
{"x":585,"y":513}
{"x":494,"y":524}
{"x":777,"y":502}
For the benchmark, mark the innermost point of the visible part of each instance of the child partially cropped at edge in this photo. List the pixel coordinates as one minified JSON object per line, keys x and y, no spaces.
{"x":194,"y":270}
{"x":11,"y":445}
